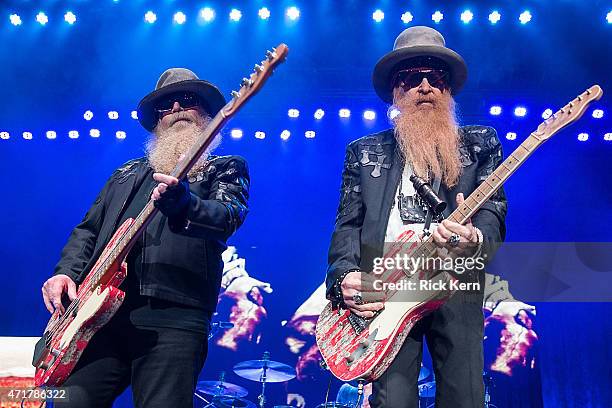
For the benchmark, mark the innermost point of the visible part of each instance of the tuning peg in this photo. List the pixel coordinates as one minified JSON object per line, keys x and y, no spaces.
{"x":246,"y":82}
{"x":258,"y":68}
{"x":270,"y":55}
{"x":235,"y":94}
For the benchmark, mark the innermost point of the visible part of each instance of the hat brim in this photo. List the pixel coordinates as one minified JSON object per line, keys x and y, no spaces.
{"x":387,"y":65}
{"x":210,"y":95}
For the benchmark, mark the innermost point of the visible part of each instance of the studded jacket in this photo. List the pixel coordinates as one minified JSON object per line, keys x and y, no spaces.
{"x":181,"y":256}
{"x":372,"y":170}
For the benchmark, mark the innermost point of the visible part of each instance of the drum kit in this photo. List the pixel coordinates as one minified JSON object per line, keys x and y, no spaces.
{"x":221,"y":394}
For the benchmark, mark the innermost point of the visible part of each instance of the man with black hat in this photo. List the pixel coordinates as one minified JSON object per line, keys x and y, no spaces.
{"x":157,"y":341}
{"x":378,"y":205}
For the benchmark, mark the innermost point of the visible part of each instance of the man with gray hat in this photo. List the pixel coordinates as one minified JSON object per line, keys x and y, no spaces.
{"x":379,"y":204}
{"x":157,"y":340}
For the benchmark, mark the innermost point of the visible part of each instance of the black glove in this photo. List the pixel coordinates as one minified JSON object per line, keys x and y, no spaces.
{"x":175,"y":200}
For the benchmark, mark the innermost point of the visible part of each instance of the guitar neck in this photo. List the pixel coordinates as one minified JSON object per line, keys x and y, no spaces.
{"x":494,"y":182}
{"x":485,"y":190}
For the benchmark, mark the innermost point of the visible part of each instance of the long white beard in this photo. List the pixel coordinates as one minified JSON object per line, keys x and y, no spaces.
{"x":165,"y":148}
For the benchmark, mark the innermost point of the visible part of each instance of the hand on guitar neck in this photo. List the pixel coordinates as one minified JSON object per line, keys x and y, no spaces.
{"x":466,"y":236}
{"x":54,"y":289}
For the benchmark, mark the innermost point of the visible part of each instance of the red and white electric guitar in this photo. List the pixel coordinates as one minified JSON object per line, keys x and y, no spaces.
{"x":98,"y":296}
{"x":357,"y":348}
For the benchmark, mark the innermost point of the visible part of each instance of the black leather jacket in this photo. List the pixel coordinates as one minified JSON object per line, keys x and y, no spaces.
{"x":372,"y":170}
{"x":181,"y":256}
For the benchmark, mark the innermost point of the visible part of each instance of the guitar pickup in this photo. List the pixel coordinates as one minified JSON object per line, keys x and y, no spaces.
{"x":357,"y":322}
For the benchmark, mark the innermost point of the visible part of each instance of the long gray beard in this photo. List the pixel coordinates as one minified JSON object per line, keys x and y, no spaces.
{"x":164,"y":149}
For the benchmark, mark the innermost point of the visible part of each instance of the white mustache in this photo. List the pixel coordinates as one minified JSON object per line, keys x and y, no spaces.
{"x":181,"y":116}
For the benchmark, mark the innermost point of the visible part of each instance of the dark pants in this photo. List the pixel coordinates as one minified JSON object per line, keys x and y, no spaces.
{"x":454,"y":335}
{"x":161,"y":364}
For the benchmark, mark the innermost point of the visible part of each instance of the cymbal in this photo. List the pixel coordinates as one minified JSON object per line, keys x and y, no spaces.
{"x":231,"y":402}
{"x":424,"y":373}
{"x":275,"y":371}
{"x":220,"y":388}
{"x":427,"y":390}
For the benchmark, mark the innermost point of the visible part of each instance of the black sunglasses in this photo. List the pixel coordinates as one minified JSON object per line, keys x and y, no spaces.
{"x":187,"y":100}
{"x":411,"y":78}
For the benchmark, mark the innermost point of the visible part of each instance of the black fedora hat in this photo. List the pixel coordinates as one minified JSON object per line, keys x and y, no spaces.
{"x":415,"y":42}
{"x":177,"y":80}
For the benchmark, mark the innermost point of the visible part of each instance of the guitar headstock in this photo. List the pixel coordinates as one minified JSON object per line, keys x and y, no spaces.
{"x":262,"y":71}
{"x":569,"y":113}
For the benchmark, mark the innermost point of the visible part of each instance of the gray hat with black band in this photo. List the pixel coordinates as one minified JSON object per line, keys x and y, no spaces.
{"x":414,"y":42}
{"x":177,"y":80}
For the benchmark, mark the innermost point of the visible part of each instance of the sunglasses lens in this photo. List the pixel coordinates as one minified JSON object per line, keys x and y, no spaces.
{"x":185,"y":99}
{"x":413,"y":78}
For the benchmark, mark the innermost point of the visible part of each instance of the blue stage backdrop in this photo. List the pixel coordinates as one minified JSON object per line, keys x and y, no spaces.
{"x":111,"y":56}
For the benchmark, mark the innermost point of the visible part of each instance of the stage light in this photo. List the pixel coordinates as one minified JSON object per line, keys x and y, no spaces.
{"x":95,"y":133}
{"x":88,"y":115}
{"x":608,"y":137}
{"x":70,"y":18}
{"x":344,"y":113}
{"x":15,"y":19}
{"x":520,"y":111}
{"x":407,"y":17}
{"x":150,"y":17}
{"x":319,"y":113}
{"x":495,"y":110}
{"x":310,"y":134}
{"x":5,"y":135}
{"x":525,"y":17}
{"x":260,"y":135}
{"x":598,"y":113}
{"x":51,"y":134}
{"x":547,"y":114}
{"x":179,"y":17}
{"x":41,"y":18}
{"x":285,"y":134}
{"x":609,"y":17}
{"x":369,"y":114}
{"x":73,"y":134}
{"x":236,"y":133}
{"x":207,"y":14}
{"x":27,"y":135}
{"x":293,"y":13}
{"x":134,"y":115}
{"x":494,"y":17}
{"x":583,"y":137}
{"x":437,"y":16}
{"x":467,"y":16}
{"x":235,"y":15}
{"x":264,"y":13}
{"x":114,"y":115}
{"x":378,"y":16}
{"x":120,"y":134}
{"x":293,"y":113}
{"x":511,"y":136}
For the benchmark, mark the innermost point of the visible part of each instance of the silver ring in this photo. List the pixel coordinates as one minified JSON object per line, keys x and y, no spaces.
{"x":454,"y":240}
{"x":358,"y":299}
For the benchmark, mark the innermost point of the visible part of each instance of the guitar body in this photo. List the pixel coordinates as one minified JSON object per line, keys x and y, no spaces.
{"x":366,"y":354}
{"x":65,"y":339}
